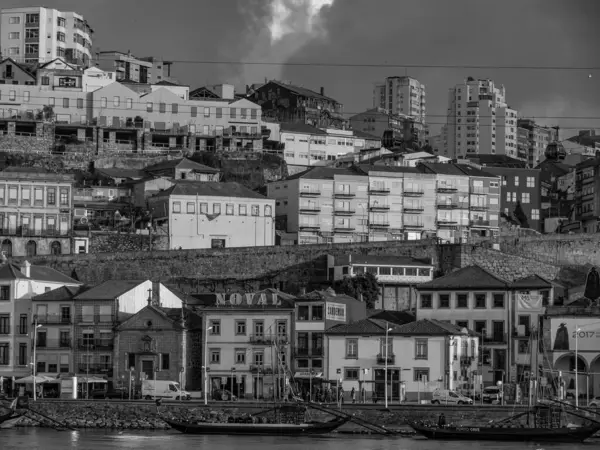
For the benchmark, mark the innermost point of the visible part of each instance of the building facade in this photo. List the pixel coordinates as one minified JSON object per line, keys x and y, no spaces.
{"x":12,"y":72}
{"x":587,"y":204}
{"x":402,"y":95}
{"x":537,"y":140}
{"x":18,"y":285}
{"x":38,"y":34}
{"x":378,"y":120}
{"x":211,"y":215}
{"x":146,"y":70}
{"x":35,"y":212}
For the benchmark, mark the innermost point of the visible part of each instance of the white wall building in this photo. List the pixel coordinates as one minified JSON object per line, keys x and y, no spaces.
{"x":38,"y":34}
{"x":401,"y":95}
{"x":214,"y":215}
{"x":480,"y":121}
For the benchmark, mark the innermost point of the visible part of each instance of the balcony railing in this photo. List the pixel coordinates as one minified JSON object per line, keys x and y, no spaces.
{"x":413,"y":209}
{"x":413,"y":225}
{"x":261,"y":368}
{"x":310,"y":227}
{"x":96,"y":319}
{"x":446,"y":223}
{"x":309,"y":351}
{"x":54,"y":343}
{"x":379,"y":207}
{"x":414,"y":193}
{"x":310,"y":192}
{"x":390,"y":358}
{"x":93,"y":368}
{"x":478,"y":207}
{"x":95,"y":344}
{"x":379,"y":190}
{"x":301,"y":351}
{"x":345,"y":194}
{"x":310,"y":209}
{"x":447,"y":205}
{"x":22,"y":329}
{"x":317,"y":351}
{"x":443,"y":188}
{"x":379,"y":225}
{"x":466,"y":360}
{"x":344,"y":212}
{"x":344,"y":229}
{"x":496,"y":338}
{"x":479,"y":223}
{"x":51,"y":319}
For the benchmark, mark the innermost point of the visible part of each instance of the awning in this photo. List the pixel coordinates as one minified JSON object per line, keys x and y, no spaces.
{"x":39,"y":379}
{"x":84,"y":379}
{"x":307,"y":375}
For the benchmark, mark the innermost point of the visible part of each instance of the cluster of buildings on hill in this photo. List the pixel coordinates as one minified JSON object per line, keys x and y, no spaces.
{"x":460,"y":331}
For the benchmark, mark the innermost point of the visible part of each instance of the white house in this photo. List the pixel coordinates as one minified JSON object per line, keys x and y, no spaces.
{"x":421,"y":356}
{"x":214,"y":215}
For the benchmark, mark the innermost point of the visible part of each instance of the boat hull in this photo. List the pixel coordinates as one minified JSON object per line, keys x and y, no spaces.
{"x":467,"y":433}
{"x":257,"y":428}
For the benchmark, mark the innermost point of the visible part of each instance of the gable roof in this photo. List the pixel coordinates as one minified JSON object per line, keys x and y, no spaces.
{"x":322,"y":173}
{"x":475,"y":172}
{"x":210,"y":189}
{"x":25,"y":69}
{"x":109,"y":290}
{"x":300,"y":91}
{"x":372,"y":326}
{"x":154,"y":309}
{"x":181,"y":163}
{"x":11,"y":271}
{"x":301,"y":128}
{"x":468,"y":278}
{"x":498,"y":161}
{"x":391,"y":169}
{"x":121,"y":173}
{"x":162,"y":93}
{"x":429,"y":327}
{"x":531,"y":282}
{"x":44,"y":65}
{"x":394,"y":317}
{"x":63,"y":293}
{"x":203,"y":92}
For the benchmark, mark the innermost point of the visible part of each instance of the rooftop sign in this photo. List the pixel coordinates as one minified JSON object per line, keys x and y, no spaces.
{"x":248,"y":299}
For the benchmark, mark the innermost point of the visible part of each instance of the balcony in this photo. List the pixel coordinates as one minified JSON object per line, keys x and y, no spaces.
{"x":262,"y":339}
{"x":413,"y":225}
{"x":313,"y":192}
{"x":496,"y":338}
{"x":102,"y":319}
{"x":344,"y":212}
{"x":344,"y":194}
{"x":310,"y":227}
{"x":301,"y":352}
{"x":479,"y":223}
{"x":446,"y":205}
{"x":95,"y":344}
{"x":414,"y":193}
{"x":379,"y":225}
{"x":261,"y":368}
{"x":414,"y":209}
{"x":466,"y":360}
{"x":374,"y":190}
{"x":446,"y":189}
{"x":478,"y":207}
{"x":54,"y":343}
{"x":381,"y":359}
{"x":447,"y":223}
{"x":94,"y":368}
{"x":309,"y":209}
{"x":344,"y":229}
{"x":54,"y":319}
{"x":378,"y":207}
{"x":32,"y":39}
{"x":8,"y":76}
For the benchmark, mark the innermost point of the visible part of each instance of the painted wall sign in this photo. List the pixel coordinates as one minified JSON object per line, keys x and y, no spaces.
{"x":564,"y":333}
{"x":247,"y":299}
{"x":335,"y":311}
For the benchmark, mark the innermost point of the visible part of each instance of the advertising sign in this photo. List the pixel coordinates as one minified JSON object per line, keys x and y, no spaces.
{"x":564,"y":333}
{"x":335,"y":311}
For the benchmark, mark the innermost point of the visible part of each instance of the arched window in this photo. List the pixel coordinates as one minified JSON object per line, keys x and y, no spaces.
{"x":55,"y":248}
{"x":31,"y":248}
{"x":7,"y":247}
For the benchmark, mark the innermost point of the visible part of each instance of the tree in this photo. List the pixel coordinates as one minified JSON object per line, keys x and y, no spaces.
{"x":363,"y":286}
{"x":520,"y":215}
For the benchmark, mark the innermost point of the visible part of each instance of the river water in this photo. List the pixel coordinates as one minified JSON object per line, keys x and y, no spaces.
{"x":45,"y":439}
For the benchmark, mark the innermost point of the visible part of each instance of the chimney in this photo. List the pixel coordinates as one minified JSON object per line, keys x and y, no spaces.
{"x":322,"y":91}
{"x":149,"y":297}
{"x":26,"y":269}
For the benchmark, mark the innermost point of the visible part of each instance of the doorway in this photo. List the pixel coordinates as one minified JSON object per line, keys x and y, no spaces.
{"x":148,"y":369}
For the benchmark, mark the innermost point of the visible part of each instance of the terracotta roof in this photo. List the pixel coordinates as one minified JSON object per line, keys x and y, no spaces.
{"x":63,"y":293}
{"x":391,"y":169}
{"x":372,"y":326}
{"x":301,"y":128}
{"x":181,"y":163}
{"x":468,"y":278}
{"x":498,"y":161}
{"x":327,"y":294}
{"x":211,"y":189}
{"x":531,"y":282}
{"x":302,"y":91}
{"x":363,"y":135}
{"x":391,"y":260}
{"x":395,"y":317}
{"x":121,"y":173}
{"x":475,"y":172}
{"x":11,"y":271}
{"x":428,"y":327}
{"x":109,"y":290}
{"x":322,"y":173}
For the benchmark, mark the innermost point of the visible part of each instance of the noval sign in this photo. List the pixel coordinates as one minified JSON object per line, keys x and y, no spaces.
{"x":247,"y":299}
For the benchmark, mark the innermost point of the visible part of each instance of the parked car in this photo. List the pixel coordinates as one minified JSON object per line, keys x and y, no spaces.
{"x":594,"y":403}
{"x":446,"y":397}
{"x":223,"y":395}
{"x":492,"y":395}
{"x":116,"y":393}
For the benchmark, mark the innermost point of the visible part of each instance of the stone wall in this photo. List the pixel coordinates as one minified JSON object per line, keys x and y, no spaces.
{"x":126,"y":242}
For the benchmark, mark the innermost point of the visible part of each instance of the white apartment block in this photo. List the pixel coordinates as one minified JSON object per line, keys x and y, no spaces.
{"x":37,"y":34}
{"x":480,"y":121}
{"x":401,"y":95}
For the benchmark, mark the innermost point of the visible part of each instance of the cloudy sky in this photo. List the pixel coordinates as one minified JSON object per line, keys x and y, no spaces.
{"x":377,"y":32}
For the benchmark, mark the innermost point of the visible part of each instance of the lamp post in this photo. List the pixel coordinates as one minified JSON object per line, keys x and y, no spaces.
{"x":576,"y":367}
{"x":131,"y":370}
{"x":385,"y":388}
{"x":206,"y":363}
{"x":35,"y":328}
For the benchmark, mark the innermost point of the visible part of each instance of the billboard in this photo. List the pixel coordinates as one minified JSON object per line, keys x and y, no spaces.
{"x":335,"y":311}
{"x":563,"y":334}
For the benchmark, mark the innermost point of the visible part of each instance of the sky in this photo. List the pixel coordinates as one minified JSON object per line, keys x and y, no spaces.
{"x":377,"y":33}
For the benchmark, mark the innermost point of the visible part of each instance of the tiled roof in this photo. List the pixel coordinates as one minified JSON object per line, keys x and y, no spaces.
{"x":531,"y":282}
{"x":303,"y":91}
{"x":301,"y":128}
{"x":121,"y":173}
{"x":372,"y":326}
{"x":63,"y":293}
{"x":181,"y":163}
{"x":475,"y":172}
{"x":363,"y":135}
{"x":428,"y":327}
{"x":211,"y":189}
{"x":468,"y":278}
{"x":390,"y":169}
{"x":391,"y":260}
{"x":395,"y":317}
{"x":362,"y":327}
{"x":498,"y":161}
{"x":322,"y":173}
{"x":11,"y":271}
{"x":327,"y":294}
{"x":16,"y":169}
{"x":109,"y":290}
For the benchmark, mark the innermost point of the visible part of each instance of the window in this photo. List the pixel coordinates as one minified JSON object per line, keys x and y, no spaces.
{"x":61,"y":22}
{"x":165,"y":362}
{"x":116,"y":101}
{"x":530,"y":182}
{"x":516,"y":181}
{"x":421,"y":374}
{"x":206,"y":112}
{"x":350,"y":373}
{"x":14,"y":51}
{"x":4,"y":324}
{"x":15,"y":20}
{"x":22,"y":355}
{"x":32,"y":49}
{"x":425,"y":301}
{"x":203,"y":208}
{"x":526,"y":197}
{"x":523,"y":346}
{"x":219,"y":113}
{"x":174,"y":108}
{"x":51,"y":101}
{"x":162,"y":108}
{"x":14,"y":35}
{"x":194,"y":111}
{"x":420,"y":348}
{"x":253,"y":113}
{"x":444,"y":301}
{"x":79,"y":103}
{"x":149,"y":107}
{"x":60,"y":36}
{"x":229,"y":209}
{"x":4,"y":293}
{"x":462,"y":301}
{"x":243,"y":210}
{"x":255,"y":210}
{"x":26,"y":96}
{"x":64,"y":196}
{"x":240,"y":327}
{"x":51,"y":193}
{"x":258,"y":358}
{"x":23,"y":322}
{"x":45,"y":81}
{"x":216,"y":208}
{"x":191,"y":208}
{"x":129,"y":103}
{"x":12,"y":95}
{"x":232,"y":113}
{"x":303,"y":312}
{"x":317,"y":312}
{"x":480,"y":301}
{"x":65,"y":102}
{"x":4,"y":356}
{"x":215,"y":327}
{"x":498,"y":300}
{"x":535,"y":214}
{"x":215,"y":356}
{"x":352,"y":348}
{"x":240,"y":356}
{"x":177,"y":207}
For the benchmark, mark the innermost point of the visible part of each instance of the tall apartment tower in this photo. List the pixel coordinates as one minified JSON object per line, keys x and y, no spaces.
{"x":401,"y":95}
{"x":479,"y":121}
{"x":37,"y":34}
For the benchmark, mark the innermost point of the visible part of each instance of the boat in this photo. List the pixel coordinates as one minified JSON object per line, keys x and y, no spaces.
{"x":289,"y":421}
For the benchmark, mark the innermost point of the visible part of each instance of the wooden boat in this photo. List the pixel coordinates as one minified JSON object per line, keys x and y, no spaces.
{"x":264,"y":429}
{"x":521,"y":434}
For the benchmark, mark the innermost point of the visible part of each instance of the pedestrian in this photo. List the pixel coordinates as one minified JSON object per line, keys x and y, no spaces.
{"x":353,"y":395}
{"x":363,"y":395}
{"x":442,"y":421}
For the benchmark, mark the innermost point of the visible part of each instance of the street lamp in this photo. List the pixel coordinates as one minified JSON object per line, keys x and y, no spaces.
{"x":576,"y":367}
{"x":206,"y":363}
{"x":35,"y":328}
{"x":385,"y":389}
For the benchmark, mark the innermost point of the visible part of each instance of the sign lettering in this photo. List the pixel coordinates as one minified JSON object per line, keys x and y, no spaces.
{"x":335,"y":311}
{"x":247,"y":299}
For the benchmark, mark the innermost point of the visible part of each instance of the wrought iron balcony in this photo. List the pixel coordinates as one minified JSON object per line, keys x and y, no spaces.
{"x":344,"y":194}
{"x":54,"y":319}
{"x":310,"y":209}
{"x":261,"y":368}
{"x":414,"y":193}
{"x":54,"y":343}
{"x":378,"y":207}
{"x":379,"y":190}
{"x":379,"y":224}
{"x":344,"y":212}
{"x":479,"y":223}
{"x":95,"y":344}
{"x":413,"y":209}
{"x":444,"y":205}
{"x":445,"y":188}
{"x":381,"y":358}
{"x":309,"y":227}
{"x":302,"y":351}
{"x":310,"y":192}
{"x":344,"y":229}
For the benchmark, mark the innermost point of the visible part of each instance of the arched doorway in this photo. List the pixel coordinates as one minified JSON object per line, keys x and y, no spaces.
{"x":7,"y":247}
{"x":31,"y":248}
{"x":566,"y":365}
{"x":55,"y":248}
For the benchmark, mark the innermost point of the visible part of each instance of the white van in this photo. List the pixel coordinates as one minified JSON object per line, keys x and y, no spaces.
{"x":446,"y":397}
{"x":163,"y":389}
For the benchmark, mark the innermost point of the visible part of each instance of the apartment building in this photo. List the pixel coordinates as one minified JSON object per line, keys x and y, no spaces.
{"x":18,"y":285}
{"x":538,"y":138}
{"x":183,"y":169}
{"x":35,"y":212}
{"x":480,"y":121}
{"x":213,"y":215}
{"x":247,"y":337}
{"x":146,"y":70}
{"x":402,"y":95}
{"x":587,"y":203}
{"x":11,"y":72}
{"x":378,"y":120}
{"x":38,"y":34}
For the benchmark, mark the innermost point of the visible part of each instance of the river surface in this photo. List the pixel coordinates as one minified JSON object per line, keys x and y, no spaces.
{"x":44,"y":439}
